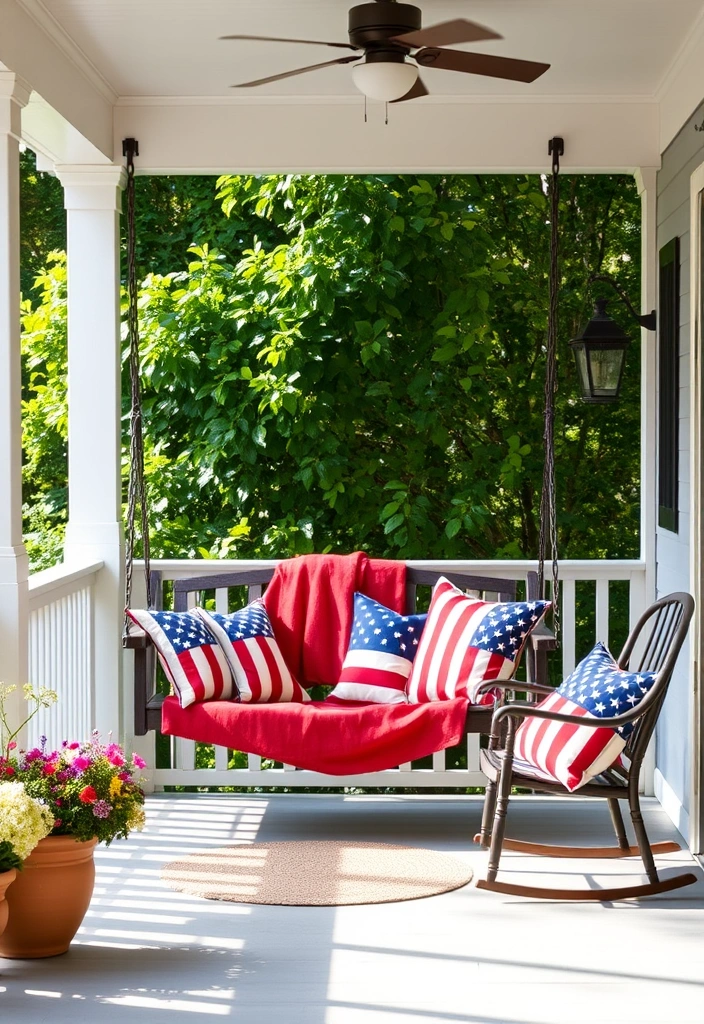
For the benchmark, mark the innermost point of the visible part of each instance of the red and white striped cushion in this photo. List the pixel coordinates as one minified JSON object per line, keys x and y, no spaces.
{"x":467,"y":642}
{"x":561,"y":752}
{"x":248,"y":640}
{"x":193,"y":662}
{"x":571,"y":753}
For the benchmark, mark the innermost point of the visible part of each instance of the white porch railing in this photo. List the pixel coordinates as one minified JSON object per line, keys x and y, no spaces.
{"x":61,"y":650}
{"x":63,"y":657}
{"x":588,"y":596}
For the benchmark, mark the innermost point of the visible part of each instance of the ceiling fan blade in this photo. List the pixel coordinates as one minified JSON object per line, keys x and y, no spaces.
{"x":290,"y":74}
{"x":481,"y":64}
{"x":447,"y":33}
{"x":415,"y":92}
{"x":306,"y":42}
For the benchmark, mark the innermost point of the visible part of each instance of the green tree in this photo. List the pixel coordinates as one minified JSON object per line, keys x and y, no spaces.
{"x":349,"y":361}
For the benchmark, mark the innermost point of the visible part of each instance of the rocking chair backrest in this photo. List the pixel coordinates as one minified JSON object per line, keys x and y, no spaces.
{"x":654,"y":645}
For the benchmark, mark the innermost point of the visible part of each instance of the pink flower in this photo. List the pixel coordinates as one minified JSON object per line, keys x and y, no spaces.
{"x":81,"y":763}
{"x":73,"y":746}
{"x":88,"y":795}
{"x":114,"y":754}
{"x":101,"y":809}
{"x":48,"y":768}
{"x":11,"y":746}
{"x":138,"y":761}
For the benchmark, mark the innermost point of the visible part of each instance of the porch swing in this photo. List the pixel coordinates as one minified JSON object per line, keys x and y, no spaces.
{"x":651,"y":650}
{"x":247,"y":727}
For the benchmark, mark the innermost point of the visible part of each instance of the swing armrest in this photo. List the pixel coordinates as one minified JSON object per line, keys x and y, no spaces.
{"x":515,"y":684}
{"x":137,"y":641}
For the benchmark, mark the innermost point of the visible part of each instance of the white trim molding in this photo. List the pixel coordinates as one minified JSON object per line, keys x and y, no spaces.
{"x":696,"y":270}
{"x":672,"y":805}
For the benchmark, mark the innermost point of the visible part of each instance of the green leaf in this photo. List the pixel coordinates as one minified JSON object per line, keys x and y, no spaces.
{"x":453,"y":528}
{"x":445,"y":353}
{"x":393,"y":523}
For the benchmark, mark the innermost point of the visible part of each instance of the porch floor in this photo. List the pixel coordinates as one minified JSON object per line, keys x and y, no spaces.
{"x":148,"y":954}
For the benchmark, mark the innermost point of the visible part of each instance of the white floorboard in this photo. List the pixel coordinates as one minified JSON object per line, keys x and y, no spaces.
{"x":147,"y":954}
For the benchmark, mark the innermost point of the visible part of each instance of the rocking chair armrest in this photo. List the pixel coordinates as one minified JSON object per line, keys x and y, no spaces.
{"x":525,"y":710}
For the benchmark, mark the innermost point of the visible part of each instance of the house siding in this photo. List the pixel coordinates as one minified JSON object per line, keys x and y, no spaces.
{"x":673,"y":740}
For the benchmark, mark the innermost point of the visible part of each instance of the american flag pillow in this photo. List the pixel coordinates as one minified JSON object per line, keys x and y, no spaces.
{"x":467,"y":642}
{"x":255,"y":658}
{"x":570,"y":753}
{"x":380,"y":654}
{"x":192,"y":660}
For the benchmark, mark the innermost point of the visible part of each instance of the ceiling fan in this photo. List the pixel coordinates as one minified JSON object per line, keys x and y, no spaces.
{"x":384,"y":35}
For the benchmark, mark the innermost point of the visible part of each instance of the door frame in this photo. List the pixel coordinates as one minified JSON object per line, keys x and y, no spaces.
{"x":696,"y":192}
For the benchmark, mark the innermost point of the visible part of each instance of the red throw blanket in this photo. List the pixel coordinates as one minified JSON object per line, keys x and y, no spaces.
{"x":323,"y":737}
{"x":310,"y":604}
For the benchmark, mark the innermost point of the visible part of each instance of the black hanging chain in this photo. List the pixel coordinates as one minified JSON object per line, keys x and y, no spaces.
{"x":137,"y":490}
{"x":548,"y":499}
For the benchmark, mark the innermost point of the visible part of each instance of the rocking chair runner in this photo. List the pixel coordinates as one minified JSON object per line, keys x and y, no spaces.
{"x":653,"y":646}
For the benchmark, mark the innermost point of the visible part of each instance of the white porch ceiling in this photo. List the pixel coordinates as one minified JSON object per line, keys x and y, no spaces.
{"x":171,"y":47}
{"x":625,"y":77}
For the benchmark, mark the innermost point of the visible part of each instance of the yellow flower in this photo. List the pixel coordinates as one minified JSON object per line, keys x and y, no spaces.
{"x":23,"y":820}
{"x":115,"y":787}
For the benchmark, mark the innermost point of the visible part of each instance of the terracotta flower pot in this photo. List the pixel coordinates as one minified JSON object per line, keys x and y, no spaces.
{"x":49,"y":898}
{"x":6,"y":877}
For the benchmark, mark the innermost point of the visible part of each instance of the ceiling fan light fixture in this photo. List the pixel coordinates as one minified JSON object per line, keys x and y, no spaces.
{"x":385,"y":81}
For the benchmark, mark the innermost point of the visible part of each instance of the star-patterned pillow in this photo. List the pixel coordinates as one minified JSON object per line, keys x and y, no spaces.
{"x":574,"y":754}
{"x":193,"y":662}
{"x":467,"y":642}
{"x":248,"y":640}
{"x":380,"y":654}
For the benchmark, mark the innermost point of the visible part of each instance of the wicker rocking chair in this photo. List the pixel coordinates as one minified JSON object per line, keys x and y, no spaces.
{"x":652,"y":646}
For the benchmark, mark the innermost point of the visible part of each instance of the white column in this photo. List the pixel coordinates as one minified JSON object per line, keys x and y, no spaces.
{"x":14,"y":94}
{"x":646,"y":180}
{"x":94,"y":531}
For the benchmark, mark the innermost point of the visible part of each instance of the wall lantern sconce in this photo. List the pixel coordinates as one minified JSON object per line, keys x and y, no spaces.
{"x":600,"y":350}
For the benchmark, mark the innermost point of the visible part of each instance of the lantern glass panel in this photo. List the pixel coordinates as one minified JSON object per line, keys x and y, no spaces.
{"x":582,"y":370}
{"x":606,"y":371}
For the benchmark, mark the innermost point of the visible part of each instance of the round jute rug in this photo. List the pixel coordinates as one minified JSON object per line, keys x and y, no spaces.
{"x":316,"y":874}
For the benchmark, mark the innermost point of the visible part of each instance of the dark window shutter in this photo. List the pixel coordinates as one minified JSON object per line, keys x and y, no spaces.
{"x":669,"y":379}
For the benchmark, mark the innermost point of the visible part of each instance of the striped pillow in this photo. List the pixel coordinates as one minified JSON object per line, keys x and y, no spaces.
{"x":257,"y":664}
{"x":570,"y":753}
{"x":467,"y":642}
{"x":380,"y":654}
{"x":194,"y":664}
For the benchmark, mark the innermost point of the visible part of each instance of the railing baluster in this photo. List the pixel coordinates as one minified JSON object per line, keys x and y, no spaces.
{"x":602,"y":611}
{"x":254,"y":762}
{"x":472,"y":752}
{"x":221,"y":601}
{"x":439,"y":761}
{"x":567,"y":622}
{"x":222,"y":757}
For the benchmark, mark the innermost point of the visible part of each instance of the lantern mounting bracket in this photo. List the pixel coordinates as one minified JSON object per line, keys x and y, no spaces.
{"x":647,"y":320}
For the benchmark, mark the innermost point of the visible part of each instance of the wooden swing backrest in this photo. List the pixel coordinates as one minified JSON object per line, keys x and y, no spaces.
{"x":186,"y":592}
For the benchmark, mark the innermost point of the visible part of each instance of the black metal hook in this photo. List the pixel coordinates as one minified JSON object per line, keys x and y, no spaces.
{"x":130,"y":149}
{"x":556,"y":149}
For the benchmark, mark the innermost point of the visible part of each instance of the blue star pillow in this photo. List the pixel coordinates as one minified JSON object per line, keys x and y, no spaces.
{"x":380,"y":654}
{"x":570,"y":753}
